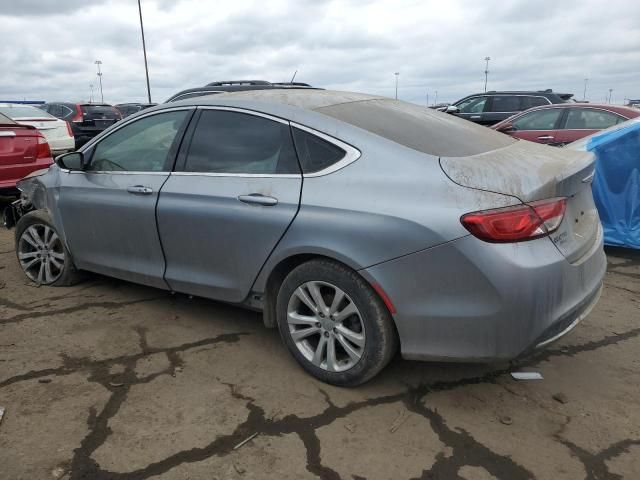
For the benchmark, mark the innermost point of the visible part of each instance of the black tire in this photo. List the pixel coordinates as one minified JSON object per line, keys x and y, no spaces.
{"x":381,"y":337}
{"x":65,"y":276}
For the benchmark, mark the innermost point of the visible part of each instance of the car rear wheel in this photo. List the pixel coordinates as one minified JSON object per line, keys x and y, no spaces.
{"x":334,"y":323}
{"x":41,"y":252}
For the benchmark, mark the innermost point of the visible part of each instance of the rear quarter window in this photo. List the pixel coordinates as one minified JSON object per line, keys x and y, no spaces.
{"x":314,"y":153}
{"x":419,"y":128}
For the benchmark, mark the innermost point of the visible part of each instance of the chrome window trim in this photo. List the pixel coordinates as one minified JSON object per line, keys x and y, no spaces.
{"x":245,"y":111}
{"x":107,"y":172}
{"x":244,"y":175}
{"x":351,"y":153}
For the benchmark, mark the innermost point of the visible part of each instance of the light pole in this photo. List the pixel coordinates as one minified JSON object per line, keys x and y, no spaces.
{"x":98,"y":63}
{"x":91,"y":97}
{"x":427,"y":99}
{"x":584,"y":94}
{"x":610,"y":92}
{"x":397,"y":74}
{"x":144,"y":51}
{"x":436,"y":100}
{"x":486,"y":72}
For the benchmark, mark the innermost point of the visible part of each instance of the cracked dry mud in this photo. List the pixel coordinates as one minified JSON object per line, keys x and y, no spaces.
{"x":110,"y":380}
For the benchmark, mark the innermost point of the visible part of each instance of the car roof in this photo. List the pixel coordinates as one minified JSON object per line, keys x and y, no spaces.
{"x":307,"y":99}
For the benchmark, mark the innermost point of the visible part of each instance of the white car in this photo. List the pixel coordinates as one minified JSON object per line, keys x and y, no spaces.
{"x":57,"y":132}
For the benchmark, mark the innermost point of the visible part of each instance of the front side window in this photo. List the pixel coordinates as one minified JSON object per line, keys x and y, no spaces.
{"x":472,"y":105}
{"x":505,"y":103}
{"x":591,"y":119}
{"x":141,"y":146}
{"x":539,"y":120}
{"x":233,"y":142}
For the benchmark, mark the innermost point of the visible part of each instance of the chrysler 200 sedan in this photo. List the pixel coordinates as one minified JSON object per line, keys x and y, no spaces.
{"x":357,"y":224}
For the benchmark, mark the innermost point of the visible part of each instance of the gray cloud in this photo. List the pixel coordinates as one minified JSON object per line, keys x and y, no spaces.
{"x":47,"y":49}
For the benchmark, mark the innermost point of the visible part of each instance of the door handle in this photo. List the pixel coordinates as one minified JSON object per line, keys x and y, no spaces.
{"x":140,"y":190}
{"x":475,"y":117}
{"x":258,"y":199}
{"x":546,"y":137}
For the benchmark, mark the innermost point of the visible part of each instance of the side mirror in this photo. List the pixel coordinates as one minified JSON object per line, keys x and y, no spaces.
{"x":506,"y":128}
{"x":452,"y":109}
{"x":71,"y":161}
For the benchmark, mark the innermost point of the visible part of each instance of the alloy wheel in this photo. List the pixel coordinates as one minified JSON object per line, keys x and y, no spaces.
{"x":41,"y":254}
{"x":326,"y":326}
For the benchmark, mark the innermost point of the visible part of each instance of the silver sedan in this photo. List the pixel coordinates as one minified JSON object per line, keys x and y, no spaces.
{"x":358,"y":224}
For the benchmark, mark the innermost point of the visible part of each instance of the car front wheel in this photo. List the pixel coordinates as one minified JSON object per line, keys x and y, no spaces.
{"x":41,"y":252}
{"x":334,"y":323}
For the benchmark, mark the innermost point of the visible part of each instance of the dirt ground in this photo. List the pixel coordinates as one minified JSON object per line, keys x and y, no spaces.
{"x":110,"y":380}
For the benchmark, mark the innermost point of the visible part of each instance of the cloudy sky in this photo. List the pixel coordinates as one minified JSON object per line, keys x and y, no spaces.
{"x":48,"y":47}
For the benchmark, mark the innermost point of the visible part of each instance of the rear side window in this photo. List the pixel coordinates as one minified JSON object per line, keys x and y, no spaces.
{"x":591,"y":119}
{"x":233,"y":142}
{"x":505,"y":103}
{"x":315,"y":154}
{"x":530,"y":102}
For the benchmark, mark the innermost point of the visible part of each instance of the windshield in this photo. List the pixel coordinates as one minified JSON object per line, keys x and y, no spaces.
{"x":23,"y":111}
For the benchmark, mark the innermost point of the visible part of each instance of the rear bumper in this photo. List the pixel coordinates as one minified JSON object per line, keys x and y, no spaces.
{"x":468,"y":300}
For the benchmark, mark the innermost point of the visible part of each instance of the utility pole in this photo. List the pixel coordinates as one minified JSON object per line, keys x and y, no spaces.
{"x":436,"y":100}
{"x":397,"y":74}
{"x":584,"y":94}
{"x":610,"y":92}
{"x":144,"y":51}
{"x":486,"y":72}
{"x":427,"y":99}
{"x":91,"y":97}
{"x":98,"y":63}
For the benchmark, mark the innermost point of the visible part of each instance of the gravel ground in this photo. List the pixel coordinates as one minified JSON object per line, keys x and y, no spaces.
{"x":110,"y":380}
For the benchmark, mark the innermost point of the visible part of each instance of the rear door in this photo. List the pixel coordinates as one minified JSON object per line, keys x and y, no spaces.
{"x":234,"y":194}
{"x":108,"y":211}
{"x":583,"y":121}
{"x":538,"y":126}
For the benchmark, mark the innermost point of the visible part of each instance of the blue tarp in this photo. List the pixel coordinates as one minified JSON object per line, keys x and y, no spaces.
{"x":616,"y":186}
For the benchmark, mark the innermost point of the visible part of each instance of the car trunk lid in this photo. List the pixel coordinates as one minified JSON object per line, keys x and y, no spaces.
{"x":533,"y":172}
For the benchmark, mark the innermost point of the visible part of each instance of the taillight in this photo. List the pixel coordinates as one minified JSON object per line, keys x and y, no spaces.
{"x":69,"y":129}
{"x":516,"y":224}
{"x":42,"y":148}
{"x":78,"y":117}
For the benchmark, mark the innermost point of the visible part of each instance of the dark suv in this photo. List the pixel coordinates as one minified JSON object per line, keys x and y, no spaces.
{"x":493,"y":107}
{"x":86,"y":119}
{"x":233,"y":86}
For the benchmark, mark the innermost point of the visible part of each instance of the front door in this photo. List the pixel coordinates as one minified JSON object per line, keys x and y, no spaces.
{"x":233,"y":195}
{"x":108,"y":210}
{"x":539,"y":126}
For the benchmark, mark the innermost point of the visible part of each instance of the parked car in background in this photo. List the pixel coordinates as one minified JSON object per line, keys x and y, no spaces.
{"x":357,"y":223}
{"x":493,"y":107}
{"x":57,"y":132}
{"x":86,"y":119}
{"x":23,"y":150}
{"x":127,"y":109}
{"x":616,"y":183}
{"x":214,"y":88}
{"x":564,"y":123}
